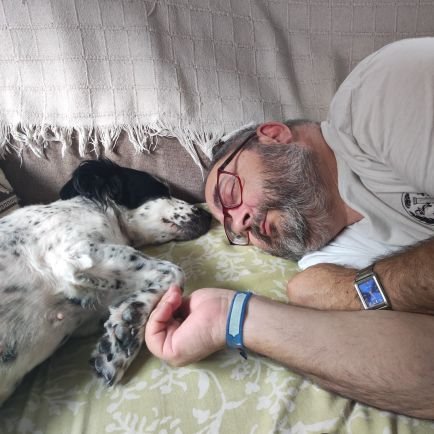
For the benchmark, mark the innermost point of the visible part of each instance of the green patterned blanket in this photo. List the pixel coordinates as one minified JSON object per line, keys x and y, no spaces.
{"x":223,"y":394}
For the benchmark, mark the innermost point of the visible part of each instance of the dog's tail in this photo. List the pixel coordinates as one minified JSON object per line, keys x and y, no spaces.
{"x":103,"y":181}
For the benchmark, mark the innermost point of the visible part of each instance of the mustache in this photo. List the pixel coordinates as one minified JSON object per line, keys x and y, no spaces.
{"x":257,"y":226}
{"x":288,"y":239}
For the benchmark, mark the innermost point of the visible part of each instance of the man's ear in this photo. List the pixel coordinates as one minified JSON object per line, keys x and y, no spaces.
{"x":274,"y":132}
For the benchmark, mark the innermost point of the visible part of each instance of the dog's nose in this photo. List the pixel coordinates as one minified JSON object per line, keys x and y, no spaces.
{"x":198,"y":224}
{"x":202,"y":220}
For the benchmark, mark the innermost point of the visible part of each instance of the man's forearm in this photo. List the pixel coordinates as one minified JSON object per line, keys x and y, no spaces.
{"x":384,"y":359}
{"x":408,"y":278}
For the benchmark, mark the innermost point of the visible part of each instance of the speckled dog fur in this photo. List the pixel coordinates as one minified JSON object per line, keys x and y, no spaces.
{"x":64,"y":264}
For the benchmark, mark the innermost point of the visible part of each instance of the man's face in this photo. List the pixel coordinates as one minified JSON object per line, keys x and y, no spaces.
{"x":270,"y":212}
{"x":249,"y":215}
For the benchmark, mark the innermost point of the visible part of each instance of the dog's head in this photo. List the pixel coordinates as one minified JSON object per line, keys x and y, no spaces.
{"x":162,"y":220}
{"x":102,"y":181}
{"x":152,"y":217}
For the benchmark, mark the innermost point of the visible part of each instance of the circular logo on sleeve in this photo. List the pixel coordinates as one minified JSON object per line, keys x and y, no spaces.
{"x":420,"y":206}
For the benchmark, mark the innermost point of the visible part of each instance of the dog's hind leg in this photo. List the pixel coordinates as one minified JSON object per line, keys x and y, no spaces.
{"x":112,"y":270}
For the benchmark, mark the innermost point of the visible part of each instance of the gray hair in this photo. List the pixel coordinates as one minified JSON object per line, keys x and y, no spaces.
{"x":293,"y":186}
{"x":223,"y":147}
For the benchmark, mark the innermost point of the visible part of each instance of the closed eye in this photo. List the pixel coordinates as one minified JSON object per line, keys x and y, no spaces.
{"x":227,"y":189}
{"x":230,"y":190}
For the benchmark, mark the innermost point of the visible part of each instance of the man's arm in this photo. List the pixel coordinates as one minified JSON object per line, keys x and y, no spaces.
{"x":407,"y":277}
{"x":381,"y":358}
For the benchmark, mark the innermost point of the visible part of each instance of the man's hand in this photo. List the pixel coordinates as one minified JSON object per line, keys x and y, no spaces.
{"x":324,"y":286}
{"x":181,"y":331}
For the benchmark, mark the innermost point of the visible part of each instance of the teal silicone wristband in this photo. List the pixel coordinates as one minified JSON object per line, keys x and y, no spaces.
{"x":235,"y":322}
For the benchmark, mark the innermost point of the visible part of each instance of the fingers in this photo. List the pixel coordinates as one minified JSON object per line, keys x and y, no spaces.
{"x":166,"y":307}
{"x":161,"y":322}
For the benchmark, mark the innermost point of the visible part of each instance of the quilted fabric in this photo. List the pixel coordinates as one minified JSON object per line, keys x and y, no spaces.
{"x":189,"y":68}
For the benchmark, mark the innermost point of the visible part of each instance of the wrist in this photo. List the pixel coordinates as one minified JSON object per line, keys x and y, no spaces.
{"x":220,"y":325}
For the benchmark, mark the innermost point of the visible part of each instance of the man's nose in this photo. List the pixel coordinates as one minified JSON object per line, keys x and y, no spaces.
{"x":242,"y":219}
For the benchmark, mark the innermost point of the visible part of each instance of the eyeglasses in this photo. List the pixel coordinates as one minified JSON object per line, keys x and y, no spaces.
{"x":230,"y":193}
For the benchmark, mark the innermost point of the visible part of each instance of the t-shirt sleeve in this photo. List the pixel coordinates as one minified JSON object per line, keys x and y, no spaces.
{"x":381,"y":128}
{"x":392,"y":111}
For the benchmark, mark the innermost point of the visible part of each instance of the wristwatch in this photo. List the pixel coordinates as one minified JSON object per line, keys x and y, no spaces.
{"x":369,"y":289}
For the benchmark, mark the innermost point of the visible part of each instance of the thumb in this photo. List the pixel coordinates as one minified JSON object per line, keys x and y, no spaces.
{"x":161,"y":324}
{"x":166,"y":307}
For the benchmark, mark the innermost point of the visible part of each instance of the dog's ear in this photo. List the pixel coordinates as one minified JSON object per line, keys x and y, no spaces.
{"x":94,"y":179}
{"x":98,"y":180}
{"x":102,"y":180}
{"x":138,"y":187}
{"x":68,"y":191}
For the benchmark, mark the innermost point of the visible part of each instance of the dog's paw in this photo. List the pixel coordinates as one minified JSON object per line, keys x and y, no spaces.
{"x":124,"y":336}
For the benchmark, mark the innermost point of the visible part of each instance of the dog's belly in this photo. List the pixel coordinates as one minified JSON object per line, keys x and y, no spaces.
{"x":31,"y":332}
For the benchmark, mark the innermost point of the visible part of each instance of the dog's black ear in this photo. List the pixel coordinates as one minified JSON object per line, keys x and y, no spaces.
{"x":68,"y":191}
{"x":139,"y":187}
{"x":94,"y":179}
{"x":101,"y":180}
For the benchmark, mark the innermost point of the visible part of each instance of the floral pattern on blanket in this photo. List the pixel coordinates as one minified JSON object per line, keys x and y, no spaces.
{"x":223,"y":394}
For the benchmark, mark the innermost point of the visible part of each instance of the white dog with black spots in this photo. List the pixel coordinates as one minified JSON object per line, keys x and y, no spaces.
{"x":69,"y":263}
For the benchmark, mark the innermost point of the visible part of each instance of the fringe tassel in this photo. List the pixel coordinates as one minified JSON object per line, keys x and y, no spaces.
{"x":144,"y":138}
{"x":83,"y":138}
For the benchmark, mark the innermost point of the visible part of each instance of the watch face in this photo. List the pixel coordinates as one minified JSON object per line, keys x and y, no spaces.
{"x":371,"y":293}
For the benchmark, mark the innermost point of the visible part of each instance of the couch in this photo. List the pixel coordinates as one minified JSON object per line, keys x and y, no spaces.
{"x":324,"y":40}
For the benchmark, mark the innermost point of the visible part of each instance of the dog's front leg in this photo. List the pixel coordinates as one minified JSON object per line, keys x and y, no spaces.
{"x":124,"y":335}
{"x":135,"y":282}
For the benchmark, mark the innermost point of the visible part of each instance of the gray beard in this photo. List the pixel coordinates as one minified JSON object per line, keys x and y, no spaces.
{"x":290,"y":240}
{"x":293,"y":188}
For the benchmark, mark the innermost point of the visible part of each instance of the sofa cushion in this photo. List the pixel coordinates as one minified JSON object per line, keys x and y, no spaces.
{"x":39,"y":179}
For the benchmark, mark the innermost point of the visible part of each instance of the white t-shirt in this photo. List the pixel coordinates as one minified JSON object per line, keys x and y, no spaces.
{"x":351,"y":248}
{"x":381,"y":129}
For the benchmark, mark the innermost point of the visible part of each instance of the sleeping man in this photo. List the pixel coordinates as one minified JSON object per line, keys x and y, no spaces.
{"x":352,"y":198}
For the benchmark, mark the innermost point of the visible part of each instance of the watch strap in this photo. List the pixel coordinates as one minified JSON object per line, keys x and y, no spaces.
{"x":235,"y":321}
{"x":365,"y":272}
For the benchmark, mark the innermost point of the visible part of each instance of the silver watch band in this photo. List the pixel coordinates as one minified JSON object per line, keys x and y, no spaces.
{"x":365,"y":272}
